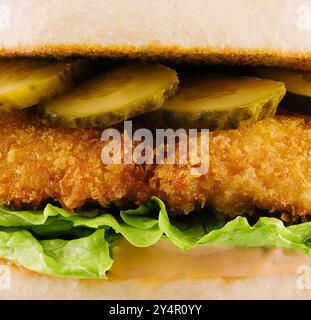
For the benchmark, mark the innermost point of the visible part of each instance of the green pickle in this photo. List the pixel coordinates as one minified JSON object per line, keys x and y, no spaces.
{"x":114,"y":96}
{"x":215,"y":101}
{"x":27,"y":82}
{"x":298,"y":87}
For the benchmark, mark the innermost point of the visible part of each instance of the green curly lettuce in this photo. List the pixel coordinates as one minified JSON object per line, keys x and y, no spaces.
{"x":78,"y":245}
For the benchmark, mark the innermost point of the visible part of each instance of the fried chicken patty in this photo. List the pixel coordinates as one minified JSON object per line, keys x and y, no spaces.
{"x":39,"y":163}
{"x":266,"y":165}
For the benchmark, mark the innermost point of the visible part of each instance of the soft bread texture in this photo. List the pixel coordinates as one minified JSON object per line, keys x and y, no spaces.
{"x":29,"y":285}
{"x":266,"y":32}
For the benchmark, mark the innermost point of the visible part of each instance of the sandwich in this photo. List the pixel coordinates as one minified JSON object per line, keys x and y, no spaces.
{"x":155,"y":150}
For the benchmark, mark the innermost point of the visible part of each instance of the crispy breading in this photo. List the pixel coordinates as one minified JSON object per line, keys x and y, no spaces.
{"x":266,"y":165}
{"x":39,"y":163}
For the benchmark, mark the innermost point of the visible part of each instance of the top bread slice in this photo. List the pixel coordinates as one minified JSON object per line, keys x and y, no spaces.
{"x":255,"y":32}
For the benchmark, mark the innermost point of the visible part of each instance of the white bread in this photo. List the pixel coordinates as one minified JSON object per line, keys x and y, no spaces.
{"x":29,"y":285}
{"x":266,"y":32}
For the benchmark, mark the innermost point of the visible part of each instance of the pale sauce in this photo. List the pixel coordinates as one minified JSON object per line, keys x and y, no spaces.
{"x":164,"y":261}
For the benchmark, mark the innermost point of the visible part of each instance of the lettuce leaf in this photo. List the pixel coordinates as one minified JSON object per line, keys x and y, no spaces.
{"x":80,"y":258}
{"x":85,"y":257}
{"x":54,"y":220}
{"x":78,"y":245}
{"x":266,"y":233}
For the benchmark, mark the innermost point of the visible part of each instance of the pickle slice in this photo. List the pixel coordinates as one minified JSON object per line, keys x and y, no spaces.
{"x":114,"y":96}
{"x":26,"y":82}
{"x":214,"y":101}
{"x":298,"y":86}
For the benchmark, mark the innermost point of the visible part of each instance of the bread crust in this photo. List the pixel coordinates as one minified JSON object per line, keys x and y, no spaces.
{"x":175,"y":54}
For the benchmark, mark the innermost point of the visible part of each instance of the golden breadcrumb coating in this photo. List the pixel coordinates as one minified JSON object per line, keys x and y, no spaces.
{"x":39,"y":163}
{"x":266,"y":165}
